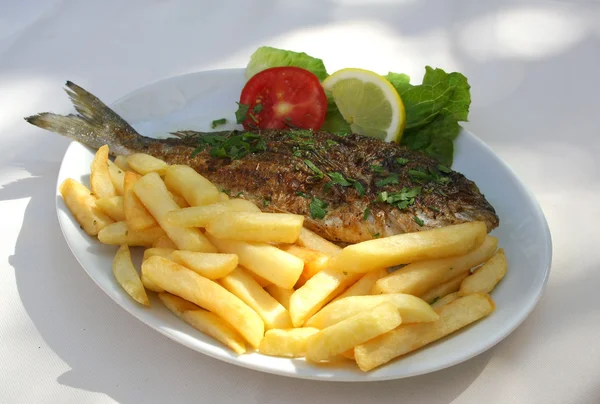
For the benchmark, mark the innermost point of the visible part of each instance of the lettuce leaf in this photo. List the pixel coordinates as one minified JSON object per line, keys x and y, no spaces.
{"x":266,"y":57}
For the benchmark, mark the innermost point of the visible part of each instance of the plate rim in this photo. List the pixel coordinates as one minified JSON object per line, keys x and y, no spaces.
{"x":547,"y":264}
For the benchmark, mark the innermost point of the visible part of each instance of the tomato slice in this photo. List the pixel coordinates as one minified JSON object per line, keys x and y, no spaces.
{"x":283,"y":98}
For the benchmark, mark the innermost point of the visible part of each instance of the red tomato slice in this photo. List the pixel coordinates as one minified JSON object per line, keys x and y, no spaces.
{"x":283,"y":98}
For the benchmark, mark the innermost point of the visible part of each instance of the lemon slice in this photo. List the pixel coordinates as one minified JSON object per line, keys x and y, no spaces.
{"x":368,"y":102}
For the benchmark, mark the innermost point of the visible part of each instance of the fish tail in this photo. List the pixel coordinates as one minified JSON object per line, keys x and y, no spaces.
{"x":95,"y":124}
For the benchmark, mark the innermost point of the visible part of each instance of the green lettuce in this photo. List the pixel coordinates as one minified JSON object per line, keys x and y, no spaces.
{"x":266,"y":57}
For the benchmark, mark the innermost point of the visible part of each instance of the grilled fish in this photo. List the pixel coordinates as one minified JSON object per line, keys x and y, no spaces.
{"x":349,"y":188}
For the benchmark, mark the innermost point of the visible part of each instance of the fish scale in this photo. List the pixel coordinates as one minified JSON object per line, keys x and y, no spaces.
{"x":279,"y":172}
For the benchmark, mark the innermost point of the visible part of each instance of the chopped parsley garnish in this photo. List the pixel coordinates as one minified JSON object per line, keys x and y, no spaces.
{"x":242,"y":112}
{"x":376,"y":169}
{"x":303,"y":194}
{"x":421,"y":176}
{"x":331,"y":143}
{"x":226,"y":191}
{"x":218,"y":122}
{"x":234,"y":146}
{"x":376,"y":235}
{"x":366,"y":214}
{"x":257,"y":108}
{"x":267,"y":201}
{"x":392,"y":179}
{"x":319,"y":174}
{"x":359,"y":187}
{"x":436,"y":210}
{"x":318,"y":208}
{"x":337,"y":178}
{"x":253,"y":117}
{"x":401,"y":161}
{"x":418,"y":221}
{"x":382,"y":197}
{"x":444,"y":169}
{"x":442,"y":193}
{"x":402,"y":199}
{"x":297,"y":153}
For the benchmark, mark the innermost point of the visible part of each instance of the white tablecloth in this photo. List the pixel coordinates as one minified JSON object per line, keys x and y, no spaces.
{"x":533,"y":67}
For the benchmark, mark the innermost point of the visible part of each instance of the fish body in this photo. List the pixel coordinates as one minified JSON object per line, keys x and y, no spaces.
{"x":349,"y":188}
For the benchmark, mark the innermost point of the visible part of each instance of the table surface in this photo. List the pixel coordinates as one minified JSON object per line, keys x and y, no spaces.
{"x":533,"y":67}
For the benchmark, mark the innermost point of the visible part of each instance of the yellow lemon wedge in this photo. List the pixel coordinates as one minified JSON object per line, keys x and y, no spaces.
{"x":368,"y":102}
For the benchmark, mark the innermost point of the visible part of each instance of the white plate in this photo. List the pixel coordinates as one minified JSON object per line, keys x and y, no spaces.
{"x":192,"y":102}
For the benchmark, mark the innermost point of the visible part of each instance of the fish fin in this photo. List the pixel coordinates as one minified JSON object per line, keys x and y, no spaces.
{"x":96,"y":124}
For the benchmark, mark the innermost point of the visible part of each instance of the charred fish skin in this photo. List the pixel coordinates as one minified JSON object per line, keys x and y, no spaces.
{"x":349,"y":188}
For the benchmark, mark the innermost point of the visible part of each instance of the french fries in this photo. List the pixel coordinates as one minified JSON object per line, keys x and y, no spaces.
{"x":82,"y":204}
{"x":154,"y":195}
{"x":280,"y":294}
{"x":117,"y":176}
{"x":410,"y":247}
{"x":289,"y":343}
{"x":265,"y":260}
{"x":444,"y":289}
{"x":210,"y":265}
{"x":345,"y":335}
{"x":136,"y":214}
{"x":127,"y":276}
{"x":204,"y":321}
{"x":409,"y":337}
{"x":411,"y":308}
{"x":200,"y":216}
{"x":144,"y":163}
{"x":186,"y":182}
{"x":316,"y":292}
{"x":207,"y":294}
{"x":449,"y":298}
{"x":485,"y":278}
{"x":418,"y":278}
{"x":121,"y":162}
{"x":119,"y":233}
{"x":100,"y":181}
{"x":161,"y":252}
{"x":314,"y":261}
{"x":364,"y":285}
{"x":113,"y":207}
{"x":315,"y":242}
{"x":243,"y":285}
{"x":256,"y":227}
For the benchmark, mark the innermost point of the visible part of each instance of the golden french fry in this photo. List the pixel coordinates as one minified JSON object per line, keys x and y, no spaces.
{"x":263,"y":259}
{"x":316,"y":292}
{"x":82,"y":204}
{"x":113,"y":207}
{"x":256,"y":226}
{"x":345,"y":335}
{"x":136,"y":214}
{"x":280,"y":294}
{"x":161,"y":252}
{"x":410,"y":337}
{"x":127,"y":276}
{"x":117,"y":176}
{"x":223,"y":197}
{"x":154,"y":195}
{"x":121,"y":162}
{"x":118,"y":233}
{"x":179,"y":200}
{"x":260,"y":280}
{"x":485,"y":278}
{"x":417,"y":278}
{"x":199,"y":216}
{"x":175,"y":304}
{"x":241,"y":284}
{"x":164,"y":242}
{"x":289,"y":343}
{"x":314,"y":261}
{"x":315,"y":242}
{"x":449,"y":241}
{"x":364,"y":285}
{"x":445,"y":300}
{"x":144,"y":163}
{"x":100,"y":181}
{"x":148,"y":284}
{"x":411,"y":308}
{"x":444,"y":289}
{"x":204,"y":321}
{"x":187,"y":284}
{"x":210,"y":265}
{"x":196,"y":189}
{"x":213,"y":326}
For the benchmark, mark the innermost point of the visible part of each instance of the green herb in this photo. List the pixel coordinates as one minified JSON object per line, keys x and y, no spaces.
{"x":376,"y":235}
{"x":318,"y":208}
{"x":391,"y":179}
{"x":444,"y":169}
{"x":239,"y":194}
{"x":218,"y":122}
{"x":401,"y":161}
{"x":366,"y":214}
{"x":376,"y":169}
{"x":242,"y":112}
{"x":331,"y":143}
{"x":297,"y":153}
{"x":257,"y":108}
{"x":418,"y":221}
{"x":266,"y":201}
{"x":435,"y":300}
{"x":337,"y":178}
{"x":319,"y":174}
{"x":359,"y":187}
{"x":402,"y":199}
{"x":302,"y":194}
{"x":442,"y":193}
{"x":382,"y":197}
{"x":287,"y":118}
{"x":254,"y":118}
{"x":226,"y":191}
{"x":233,"y":146}
{"x":419,"y":175}
{"x":436,"y":210}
